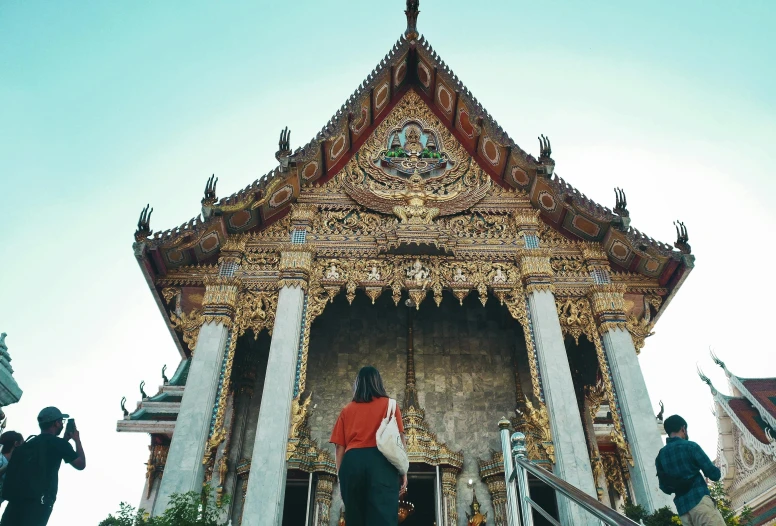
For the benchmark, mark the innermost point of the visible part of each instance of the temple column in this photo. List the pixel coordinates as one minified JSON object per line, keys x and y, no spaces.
{"x":184,"y":470}
{"x":267,"y":478}
{"x":572,"y":462}
{"x":324,"y":490}
{"x":632,"y":396}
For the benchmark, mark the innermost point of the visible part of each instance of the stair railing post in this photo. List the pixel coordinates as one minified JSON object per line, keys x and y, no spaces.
{"x":519,"y":451}
{"x":513,"y":515}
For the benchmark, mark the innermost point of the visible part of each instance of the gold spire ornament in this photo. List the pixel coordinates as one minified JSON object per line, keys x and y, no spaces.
{"x":412,"y":12}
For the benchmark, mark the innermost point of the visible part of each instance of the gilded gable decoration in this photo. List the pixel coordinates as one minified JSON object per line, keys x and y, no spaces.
{"x":412,"y":167}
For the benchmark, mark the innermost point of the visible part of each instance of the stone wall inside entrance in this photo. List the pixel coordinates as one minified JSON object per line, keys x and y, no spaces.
{"x":464,"y":359}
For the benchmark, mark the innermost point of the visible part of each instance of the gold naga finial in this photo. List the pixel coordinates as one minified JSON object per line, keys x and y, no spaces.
{"x":412,"y":11}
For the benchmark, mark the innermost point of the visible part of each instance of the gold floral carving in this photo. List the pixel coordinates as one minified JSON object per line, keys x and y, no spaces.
{"x":220,"y":295}
{"x":566,"y":264}
{"x":498,"y":498}
{"x":302,"y":451}
{"x":414,"y":188}
{"x":323,"y":493}
{"x":188,"y":325}
{"x":535,"y":263}
{"x":450,"y":494}
{"x":534,"y":423}
{"x":576,"y":318}
{"x":255,"y":311}
{"x":219,"y":432}
{"x":527,"y":219}
{"x":155,"y":465}
{"x":170,"y":293}
{"x":614,"y":474}
{"x":608,"y":299}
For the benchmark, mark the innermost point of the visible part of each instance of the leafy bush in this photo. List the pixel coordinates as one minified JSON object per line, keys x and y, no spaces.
{"x":188,"y":509}
{"x":666,"y":517}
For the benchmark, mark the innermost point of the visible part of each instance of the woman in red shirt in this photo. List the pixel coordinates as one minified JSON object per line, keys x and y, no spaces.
{"x":369,"y":484}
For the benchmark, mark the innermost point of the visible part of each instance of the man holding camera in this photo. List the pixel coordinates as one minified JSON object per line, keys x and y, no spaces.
{"x":32,"y":478}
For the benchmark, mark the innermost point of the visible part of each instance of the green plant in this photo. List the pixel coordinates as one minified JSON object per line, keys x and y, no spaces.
{"x":187,"y":509}
{"x":724,"y":506}
{"x":662,"y":517}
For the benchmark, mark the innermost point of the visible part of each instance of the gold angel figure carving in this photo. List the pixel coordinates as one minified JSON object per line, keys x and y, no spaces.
{"x":416,"y":198}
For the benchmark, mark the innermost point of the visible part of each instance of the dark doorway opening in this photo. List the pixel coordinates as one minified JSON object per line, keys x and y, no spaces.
{"x":295,"y":503}
{"x":420,"y":492}
{"x":545,"y":497}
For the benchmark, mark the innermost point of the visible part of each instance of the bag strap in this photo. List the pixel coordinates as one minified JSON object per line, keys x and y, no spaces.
{"x":391,"y":408}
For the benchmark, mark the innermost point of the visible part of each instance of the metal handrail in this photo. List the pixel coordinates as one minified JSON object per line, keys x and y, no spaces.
{"x":522,"y":466}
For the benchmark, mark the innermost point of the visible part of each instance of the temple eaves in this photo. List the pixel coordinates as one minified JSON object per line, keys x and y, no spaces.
{"x":413,"y":64}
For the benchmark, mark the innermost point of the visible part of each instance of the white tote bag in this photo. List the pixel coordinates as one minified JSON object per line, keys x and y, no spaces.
{"x":389,"y":440}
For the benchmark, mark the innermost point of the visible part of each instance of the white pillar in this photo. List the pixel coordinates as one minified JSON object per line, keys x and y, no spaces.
{"x":184,"y":471}
{"x":572,"y":463}
{"x":267,"y":479}
{"x":637,"y":417}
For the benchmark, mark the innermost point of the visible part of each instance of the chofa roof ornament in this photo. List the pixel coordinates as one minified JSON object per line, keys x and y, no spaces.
{"x":412,"y":11}
{"x":144,"y":223}
{"x":545,"y":157}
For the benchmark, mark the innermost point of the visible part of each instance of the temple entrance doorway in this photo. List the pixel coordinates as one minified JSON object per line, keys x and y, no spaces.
{"x":423,"y":495}
{"x":296,"y":505}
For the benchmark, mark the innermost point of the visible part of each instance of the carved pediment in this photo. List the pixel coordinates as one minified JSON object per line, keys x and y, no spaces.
{"x":413,"y":167}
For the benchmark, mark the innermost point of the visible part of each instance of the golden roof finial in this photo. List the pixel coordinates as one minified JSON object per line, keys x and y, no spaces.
{"x":412,"y":19}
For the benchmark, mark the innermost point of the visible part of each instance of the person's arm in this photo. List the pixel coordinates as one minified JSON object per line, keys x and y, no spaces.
{"x":3,"y":469}
{"x":664,"y":487}
{"x":705,"y":464}
{"x":80,"y":460}
{"x":339,"y":452}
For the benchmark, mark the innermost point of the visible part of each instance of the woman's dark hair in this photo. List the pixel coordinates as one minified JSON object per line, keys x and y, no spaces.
{"x":368,"y":385}
{"x":9,"y":439}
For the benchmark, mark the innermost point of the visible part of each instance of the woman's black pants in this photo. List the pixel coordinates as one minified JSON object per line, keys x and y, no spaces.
{"x":369,"y":485}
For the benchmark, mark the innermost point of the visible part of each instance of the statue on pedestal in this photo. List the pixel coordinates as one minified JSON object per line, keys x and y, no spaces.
{"x":476,"y":518}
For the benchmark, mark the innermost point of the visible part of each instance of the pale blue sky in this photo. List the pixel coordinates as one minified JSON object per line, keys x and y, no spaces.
{"x":105,"y":106}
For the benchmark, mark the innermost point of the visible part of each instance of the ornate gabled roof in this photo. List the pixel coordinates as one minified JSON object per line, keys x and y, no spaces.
{"x":758,"y":433}
{"x":413,"y":64}
{"x":759,"y":392}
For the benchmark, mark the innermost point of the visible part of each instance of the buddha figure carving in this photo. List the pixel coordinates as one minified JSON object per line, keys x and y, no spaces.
{"x":476,"y":518}
{"x":417,"y":273}
{"x":499,"y":276}
{"x":458,"y":275}
{"x":332,"y":273}
{"x":374,"y":274}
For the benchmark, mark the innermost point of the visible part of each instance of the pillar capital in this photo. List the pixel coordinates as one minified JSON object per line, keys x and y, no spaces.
{"x":302,"y":215}
{"x":526,"y":221}
{"x":608,"y":302}
{"x":535,"y":269}
{"x":220,"y":297}
{"x":232,"y":250}
{"x":296,"y":262}
{"x":595,"y":257}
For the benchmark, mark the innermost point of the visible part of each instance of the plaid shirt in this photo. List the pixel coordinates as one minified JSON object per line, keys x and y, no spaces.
{"x":684,"y":459}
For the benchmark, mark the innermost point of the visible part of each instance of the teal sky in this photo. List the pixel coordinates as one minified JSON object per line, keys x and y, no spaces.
{"x":105,"y":106}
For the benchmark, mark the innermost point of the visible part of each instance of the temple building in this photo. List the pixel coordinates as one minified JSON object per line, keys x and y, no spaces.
{"x":746,"y":451}
{"x":10,"y":392}
{"x":414,"y":235}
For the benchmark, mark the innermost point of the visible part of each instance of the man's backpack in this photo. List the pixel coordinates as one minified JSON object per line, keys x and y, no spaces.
{"x":680,"y":485}
{"x":25,"y":478}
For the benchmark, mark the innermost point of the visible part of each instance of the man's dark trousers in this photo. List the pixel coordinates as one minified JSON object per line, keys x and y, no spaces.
{"x":26,"y":513}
